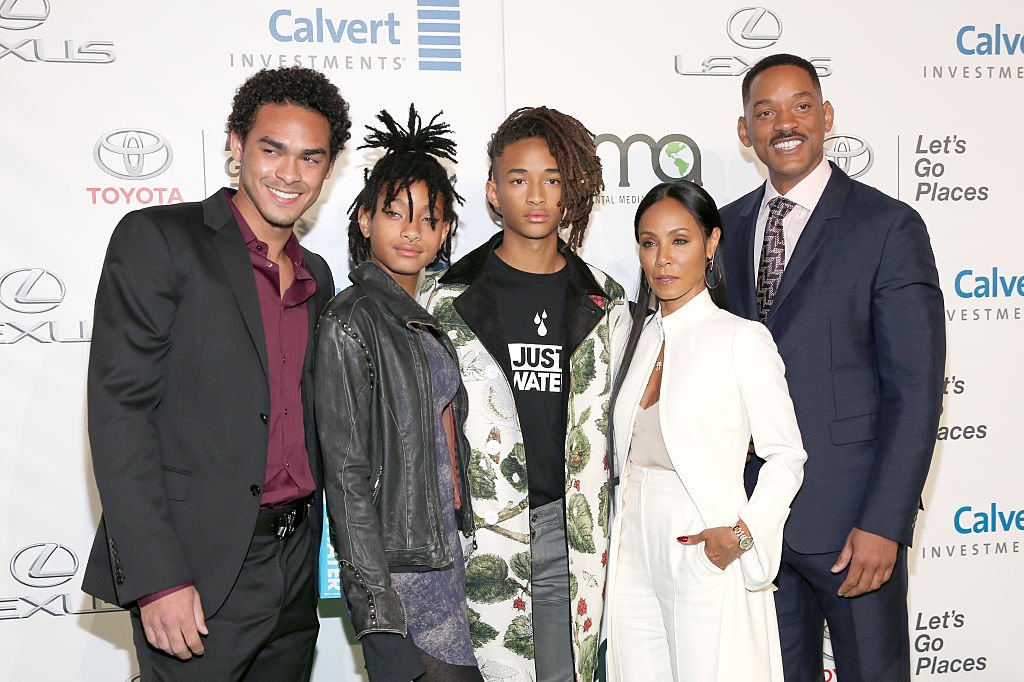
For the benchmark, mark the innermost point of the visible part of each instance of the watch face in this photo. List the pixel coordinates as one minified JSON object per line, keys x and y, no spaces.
{"x":746,"y":543}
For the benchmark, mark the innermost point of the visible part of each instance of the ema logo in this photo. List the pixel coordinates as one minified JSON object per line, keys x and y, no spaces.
{"x":852,"y":154}
{"x":673,"y":157}
{"x":438,"y":31}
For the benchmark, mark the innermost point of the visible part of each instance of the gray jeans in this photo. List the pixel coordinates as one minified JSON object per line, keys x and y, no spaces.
{"x":552,"y":623}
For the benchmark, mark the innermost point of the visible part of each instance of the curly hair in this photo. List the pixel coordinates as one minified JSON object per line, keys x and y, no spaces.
{"x":411,"y":155}
{"x":296,"y":85}
{"x":573,"y":147}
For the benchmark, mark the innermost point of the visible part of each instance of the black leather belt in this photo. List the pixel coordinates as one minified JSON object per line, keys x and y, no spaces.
{"x":283,"y":521}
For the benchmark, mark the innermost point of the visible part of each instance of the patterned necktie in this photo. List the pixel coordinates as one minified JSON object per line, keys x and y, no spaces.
{"x":773,"y":255}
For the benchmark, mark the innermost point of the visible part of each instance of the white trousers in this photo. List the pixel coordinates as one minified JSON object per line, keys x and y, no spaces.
{"x":667,"y":598}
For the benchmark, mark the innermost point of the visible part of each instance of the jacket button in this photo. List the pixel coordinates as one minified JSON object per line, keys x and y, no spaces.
{"x":263,"y":417}
{"x":120,"y":580}
{"x":255,"y":490}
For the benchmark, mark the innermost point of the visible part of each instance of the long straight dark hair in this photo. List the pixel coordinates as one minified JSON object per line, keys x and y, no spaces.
{"x":701,"y":206}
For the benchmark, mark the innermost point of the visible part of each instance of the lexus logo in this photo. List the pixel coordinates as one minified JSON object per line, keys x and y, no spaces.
{"x":20,"y":15}
{"x":31,"y":290}
{"x":133,"y":154}
{"x":754,"y":27}
{"x":853,"y":154}
{"x":45,"y":564}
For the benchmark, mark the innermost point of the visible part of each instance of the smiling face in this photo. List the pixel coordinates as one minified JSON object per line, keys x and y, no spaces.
{"x":674,"y":252}
{"x":526,"y":189}
{"x":785,"y":121}
{"x":404,"y":239}
{"x":283,"y":163}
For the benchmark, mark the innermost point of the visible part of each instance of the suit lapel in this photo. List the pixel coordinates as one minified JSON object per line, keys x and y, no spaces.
{"x":746,"y":300}
{"x":234,"y":257}
{"x":814,"y":235}
{"x":478,"y":306}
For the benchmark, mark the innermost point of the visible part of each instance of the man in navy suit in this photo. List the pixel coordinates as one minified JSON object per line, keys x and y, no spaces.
{"x":845,"y":279}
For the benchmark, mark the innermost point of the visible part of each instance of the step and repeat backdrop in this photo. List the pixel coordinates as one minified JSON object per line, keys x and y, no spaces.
{"x":110,"y":105}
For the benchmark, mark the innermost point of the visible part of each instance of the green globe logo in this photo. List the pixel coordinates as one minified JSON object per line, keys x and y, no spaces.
{"x":676,"y":159}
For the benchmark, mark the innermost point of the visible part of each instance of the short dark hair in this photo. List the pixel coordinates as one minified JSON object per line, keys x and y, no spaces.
{"x":296,"y":85}
{"x":781,"y":59}
{"x":411,"y":155}
{"x":574,"y":150}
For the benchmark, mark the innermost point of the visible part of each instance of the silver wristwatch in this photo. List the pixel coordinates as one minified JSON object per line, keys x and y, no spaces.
{"x":746,"y":542}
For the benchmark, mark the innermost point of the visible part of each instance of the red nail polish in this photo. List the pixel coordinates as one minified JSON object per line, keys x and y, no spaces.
{"x":683,"y":538}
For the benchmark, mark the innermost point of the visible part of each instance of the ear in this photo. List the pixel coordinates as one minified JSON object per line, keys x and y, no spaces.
{"x":492,"y":196}
{"x":237,"y":145}
{"x":830,"y":115}
{"x":741,"y":130}
{"x":712,"y":244}
{"x":364,"y":222}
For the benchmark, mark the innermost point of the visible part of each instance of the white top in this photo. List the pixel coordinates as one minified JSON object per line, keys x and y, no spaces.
{"x":647,"y":449}
{"x":805,"y":195}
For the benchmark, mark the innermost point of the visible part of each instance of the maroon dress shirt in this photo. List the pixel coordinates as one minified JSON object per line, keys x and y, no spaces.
{"x":286,"y":329}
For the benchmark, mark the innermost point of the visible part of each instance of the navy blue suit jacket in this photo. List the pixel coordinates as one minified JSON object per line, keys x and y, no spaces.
{"x":858,"y":319}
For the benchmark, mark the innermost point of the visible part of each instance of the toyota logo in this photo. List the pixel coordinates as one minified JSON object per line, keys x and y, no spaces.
{"x":45,"y":564}
{"x":133,"y":154}
{"x":853,"y":154}
{"x":754,"y":27}
{"x":20,"y":15}
{"x":31,"y":290}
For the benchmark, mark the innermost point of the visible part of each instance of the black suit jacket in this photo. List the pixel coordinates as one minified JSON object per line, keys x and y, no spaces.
{"x":858,"y":319}
{"x":178,"y":402}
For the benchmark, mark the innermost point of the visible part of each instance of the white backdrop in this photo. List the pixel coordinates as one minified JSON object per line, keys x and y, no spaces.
{"x":920,"y":93}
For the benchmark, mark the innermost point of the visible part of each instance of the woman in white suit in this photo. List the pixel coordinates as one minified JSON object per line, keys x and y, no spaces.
{"x":692,"y":558}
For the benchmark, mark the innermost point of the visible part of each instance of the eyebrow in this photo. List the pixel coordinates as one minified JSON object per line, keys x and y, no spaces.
{"x":281,"y":146}
{"x":796,"y":95}
{"x":524,"y":170}
{"x":681,"y":228}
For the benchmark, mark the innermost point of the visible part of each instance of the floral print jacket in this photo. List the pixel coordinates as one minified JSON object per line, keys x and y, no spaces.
{"x":498,"y":572}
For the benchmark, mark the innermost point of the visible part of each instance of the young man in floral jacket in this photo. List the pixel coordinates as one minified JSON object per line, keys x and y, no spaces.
{"x":538,"y":333}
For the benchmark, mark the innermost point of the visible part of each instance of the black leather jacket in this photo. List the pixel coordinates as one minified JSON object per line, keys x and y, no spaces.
{"x":377,"y":432}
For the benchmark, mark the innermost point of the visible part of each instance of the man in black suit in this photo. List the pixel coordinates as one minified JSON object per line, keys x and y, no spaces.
{"x":200,"y":414}
{"x":845,"y":279}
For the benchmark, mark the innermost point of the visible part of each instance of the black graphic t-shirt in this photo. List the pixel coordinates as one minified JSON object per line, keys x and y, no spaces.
{"x":532,"y":310}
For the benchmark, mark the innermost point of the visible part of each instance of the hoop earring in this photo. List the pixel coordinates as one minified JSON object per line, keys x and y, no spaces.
{"x":709,"y":270}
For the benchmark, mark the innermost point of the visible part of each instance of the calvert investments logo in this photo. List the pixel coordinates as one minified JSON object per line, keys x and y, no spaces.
{"x":752,"y":28}
{"x":25,"y":15}
{"x":134,"y":154}
{"x":30,"y":292}
{"x":982,"y":52}
{"x":851,"y":153}
{"x":386,"y":40}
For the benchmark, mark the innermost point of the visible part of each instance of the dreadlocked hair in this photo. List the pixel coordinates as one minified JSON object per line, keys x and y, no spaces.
{"x":410,"y":155}
{"x":572,"y":145}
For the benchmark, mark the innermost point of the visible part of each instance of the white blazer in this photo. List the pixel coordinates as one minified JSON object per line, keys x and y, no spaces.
{"x":722,"y":380}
